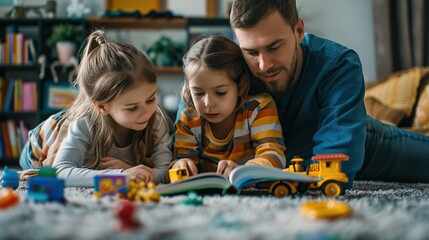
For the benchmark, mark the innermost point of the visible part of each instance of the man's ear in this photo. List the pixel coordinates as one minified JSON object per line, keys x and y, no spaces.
{"x":299,"y":30}
{"x":101,"y":108}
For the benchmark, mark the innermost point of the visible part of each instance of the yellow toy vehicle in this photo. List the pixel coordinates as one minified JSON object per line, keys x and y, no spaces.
{"x":328,"y":168}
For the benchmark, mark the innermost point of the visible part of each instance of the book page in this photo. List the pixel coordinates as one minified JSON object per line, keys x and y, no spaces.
{"x":249,"y":174}
{"x":202,"y":181}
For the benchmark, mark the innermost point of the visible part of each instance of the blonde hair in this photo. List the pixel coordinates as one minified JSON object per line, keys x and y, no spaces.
{"x":107,"y":70}
{"x":216,"y":53}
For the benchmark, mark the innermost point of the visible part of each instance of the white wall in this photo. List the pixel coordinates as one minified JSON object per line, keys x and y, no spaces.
{"x":348,"y":22}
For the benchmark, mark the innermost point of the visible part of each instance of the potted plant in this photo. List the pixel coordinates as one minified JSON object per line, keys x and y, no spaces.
{"x":164,"y":52}
{"x":65,"y":37}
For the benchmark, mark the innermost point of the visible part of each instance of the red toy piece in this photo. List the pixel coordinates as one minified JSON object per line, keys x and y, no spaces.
{"x":126,"y":215}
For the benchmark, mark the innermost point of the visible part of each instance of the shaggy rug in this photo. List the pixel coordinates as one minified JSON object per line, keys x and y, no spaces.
{"x":379,"y":211}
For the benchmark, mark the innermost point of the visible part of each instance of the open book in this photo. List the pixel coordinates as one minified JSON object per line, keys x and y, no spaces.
{"x":239,"y":178}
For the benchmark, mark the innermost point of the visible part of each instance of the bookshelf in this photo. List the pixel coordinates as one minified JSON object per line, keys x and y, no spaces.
{"x":22,"y":80}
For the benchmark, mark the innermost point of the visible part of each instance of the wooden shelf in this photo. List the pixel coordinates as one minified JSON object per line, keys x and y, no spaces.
{"x":138,"y":23}
{"x":175,"y":69}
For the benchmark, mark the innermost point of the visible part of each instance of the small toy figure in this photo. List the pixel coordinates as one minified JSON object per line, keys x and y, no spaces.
{"x":141,"y":192}
{"x":193,"y":199}
{"x":110,"y":185}
{"x":46,"y":187}
{"x":8,"y":198}
{"x":126,"y":214}
{"x":10,"y":178}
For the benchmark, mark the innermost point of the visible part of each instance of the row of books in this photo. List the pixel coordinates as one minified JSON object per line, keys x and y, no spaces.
{"x":13,"y":135}
{"x":17,"y":49}
{"x":17,"y":95}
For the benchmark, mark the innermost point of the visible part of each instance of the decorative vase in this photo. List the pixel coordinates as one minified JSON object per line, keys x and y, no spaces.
{"x":65,"y":51}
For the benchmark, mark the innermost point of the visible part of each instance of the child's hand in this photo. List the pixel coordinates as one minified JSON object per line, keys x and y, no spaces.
{"x":188,"y":164}
{"x":225,"y":167}
{"x":112,"y":163}
{"x":140,"y":173}
{"x":26,"y":174}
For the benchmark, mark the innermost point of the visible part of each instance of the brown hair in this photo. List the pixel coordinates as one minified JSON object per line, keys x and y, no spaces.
{"x":215,"y":53}
{"x":107,"y":70}
{"x":247,"y":13}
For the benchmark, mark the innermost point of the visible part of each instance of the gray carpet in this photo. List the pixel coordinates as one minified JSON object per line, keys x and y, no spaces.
{"x":380,"y":211}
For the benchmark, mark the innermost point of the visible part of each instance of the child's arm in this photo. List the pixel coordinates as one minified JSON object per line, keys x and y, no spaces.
{"x":186,"y":144}
{"x":113,"y":163}
{"x":161,"y":154}
{"x":266,"y":134}
{"x":73,"y":150}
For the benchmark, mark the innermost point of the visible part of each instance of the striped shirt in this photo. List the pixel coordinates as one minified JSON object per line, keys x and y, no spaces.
{"x":40,"y":140}
{"x":256,"y":138}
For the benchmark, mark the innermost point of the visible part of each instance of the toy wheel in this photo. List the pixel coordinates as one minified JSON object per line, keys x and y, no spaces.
{"x":332,"y":189}
{"x":281,"y":190}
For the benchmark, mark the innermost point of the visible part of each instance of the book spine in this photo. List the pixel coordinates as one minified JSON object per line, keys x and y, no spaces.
{"x":28,"y":98}
{"x":6,"y":139}
{"x":24,"y":130}
{"x":9,"y":96}
{"x":12,"y":136}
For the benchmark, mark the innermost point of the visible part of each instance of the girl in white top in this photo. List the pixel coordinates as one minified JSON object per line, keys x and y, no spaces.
{"x":116,"y":123}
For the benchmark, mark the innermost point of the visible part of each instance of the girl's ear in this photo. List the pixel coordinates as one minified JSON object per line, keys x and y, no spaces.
{"x":101,"y":108}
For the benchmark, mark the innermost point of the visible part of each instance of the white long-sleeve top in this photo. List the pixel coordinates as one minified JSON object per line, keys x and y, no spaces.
{"x":74,"y":149}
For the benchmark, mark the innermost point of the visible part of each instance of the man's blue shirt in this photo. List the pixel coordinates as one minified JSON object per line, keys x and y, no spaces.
{"x":324,"y":111}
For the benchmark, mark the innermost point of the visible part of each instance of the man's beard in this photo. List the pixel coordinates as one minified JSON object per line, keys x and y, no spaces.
{"x":274,"y":86}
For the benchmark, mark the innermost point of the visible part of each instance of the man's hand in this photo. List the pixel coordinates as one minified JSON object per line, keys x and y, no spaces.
{"x":188,"y":164}
{"x":112,"y":163}
{"x":225,"y":167}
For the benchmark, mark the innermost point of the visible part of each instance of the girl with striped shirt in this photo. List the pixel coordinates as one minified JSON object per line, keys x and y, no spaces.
{"x":222,"y":126}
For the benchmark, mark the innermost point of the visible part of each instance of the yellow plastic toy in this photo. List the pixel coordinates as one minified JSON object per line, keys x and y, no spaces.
{"x":177,"y":174}
{"x":142,"y":193}
{"x":328,"y":168}
{"x":328,"y":209}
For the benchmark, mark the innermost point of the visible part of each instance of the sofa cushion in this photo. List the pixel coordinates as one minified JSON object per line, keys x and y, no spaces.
{"x":393,"y":100}
{"x":421,"y":120}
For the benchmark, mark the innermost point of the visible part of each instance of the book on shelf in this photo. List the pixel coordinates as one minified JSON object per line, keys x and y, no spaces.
{"x":24,"y":131}
{"x":29,"y":98}
{"x":240,"y":177}
{"x":6,"y":140}
{"x":17,"y":96}
{"x":12,"y":137}
{"x":30,"y":51}
{"x":2,"y":92}
{"x":2,"y":147}
{"x":7,"y":107}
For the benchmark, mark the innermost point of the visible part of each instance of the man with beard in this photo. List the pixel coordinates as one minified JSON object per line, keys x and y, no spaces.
{"x":319,"y":87}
